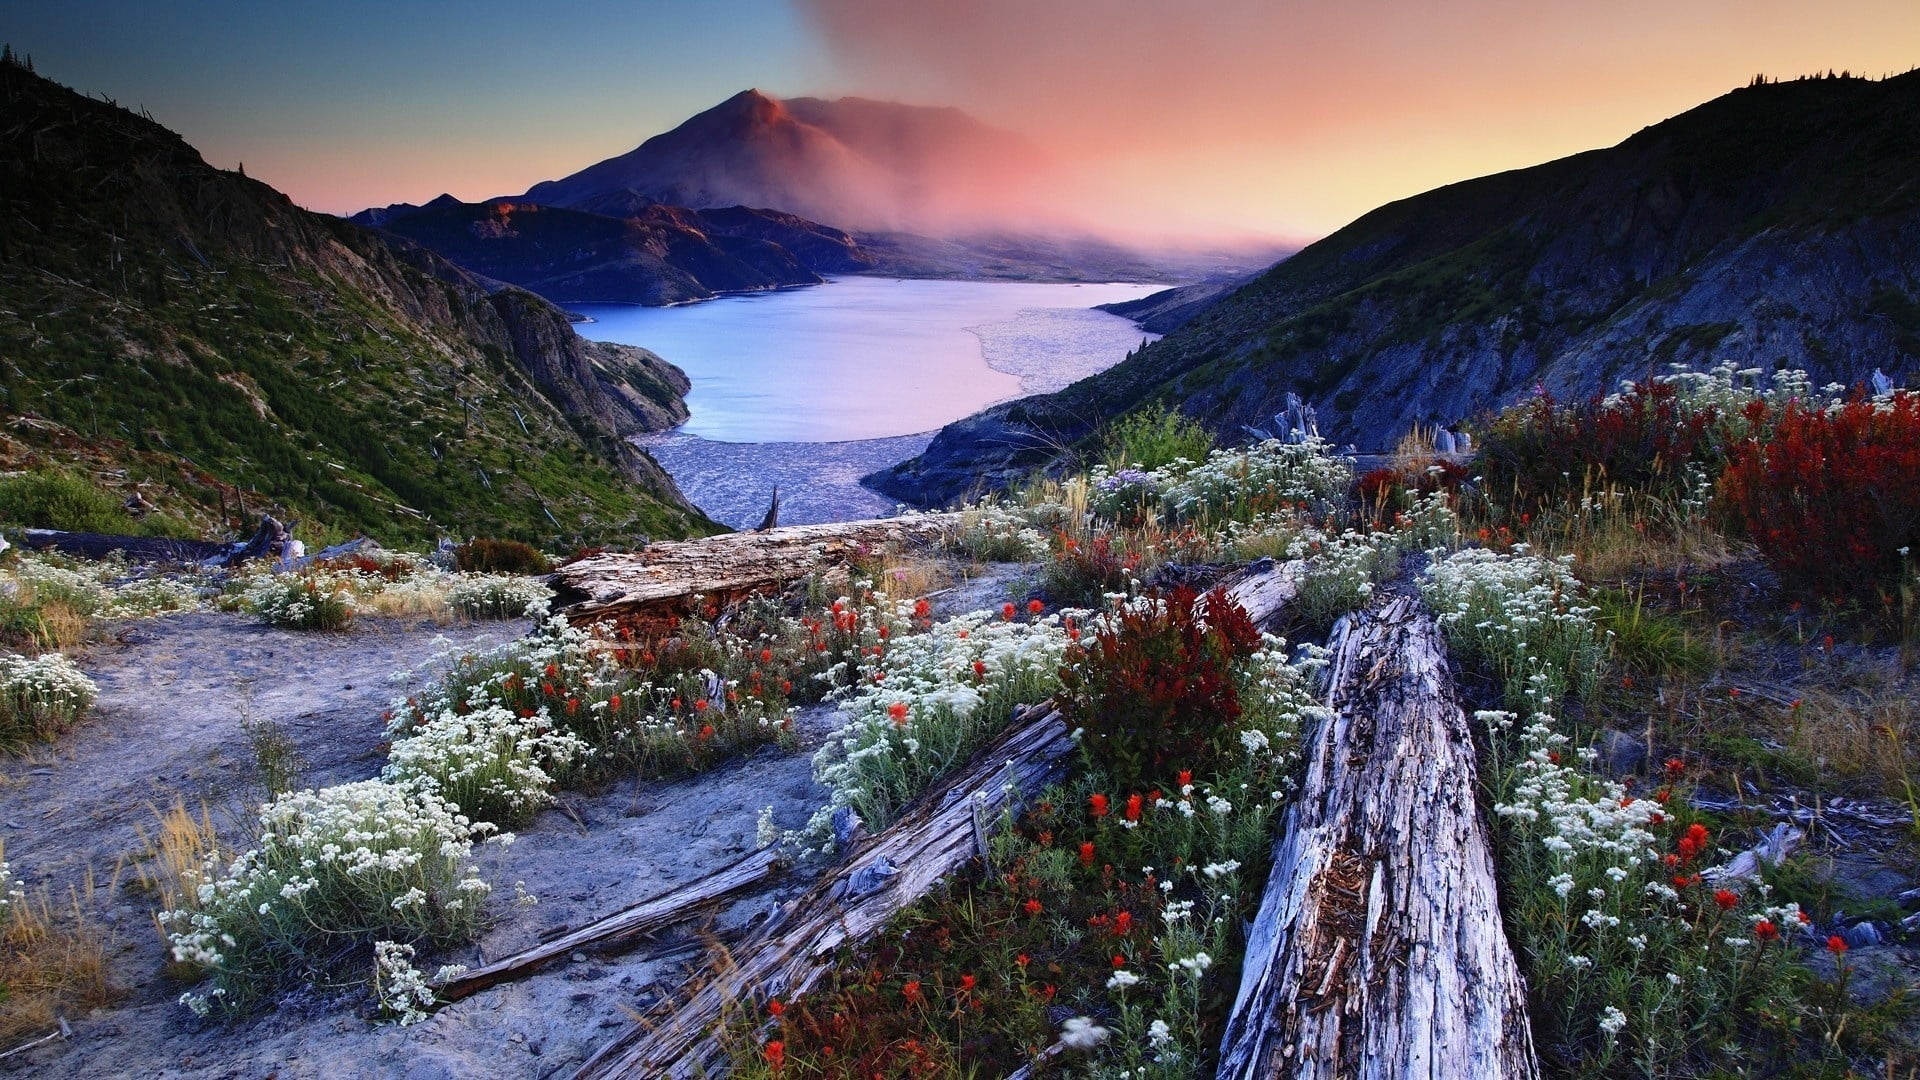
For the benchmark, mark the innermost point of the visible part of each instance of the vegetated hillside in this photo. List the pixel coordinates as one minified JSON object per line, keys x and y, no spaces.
{"x":189,"y":331}
{"x":1778,"y":225}
{"x":645,"y":254}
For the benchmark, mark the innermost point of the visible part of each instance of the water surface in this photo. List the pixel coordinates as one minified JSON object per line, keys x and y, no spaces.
{"x":870,"y":358}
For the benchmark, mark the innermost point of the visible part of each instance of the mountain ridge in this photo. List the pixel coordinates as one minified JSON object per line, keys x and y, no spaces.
{"x":1777,"y":225}
{"x":188,"y":333}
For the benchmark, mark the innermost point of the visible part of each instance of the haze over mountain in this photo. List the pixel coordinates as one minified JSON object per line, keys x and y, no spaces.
{"x":1776,"y":226}
{"x":853,"y":163}
{"x":183,"y":328}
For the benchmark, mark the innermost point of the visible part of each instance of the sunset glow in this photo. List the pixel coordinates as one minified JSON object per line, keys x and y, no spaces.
{"x":1285,"y":119}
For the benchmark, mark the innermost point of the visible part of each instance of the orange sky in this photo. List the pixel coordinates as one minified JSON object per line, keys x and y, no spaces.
{"x":1296,"y":118}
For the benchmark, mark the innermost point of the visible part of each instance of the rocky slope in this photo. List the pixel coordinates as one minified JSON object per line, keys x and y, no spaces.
{"x":188,"y":331}
{"x":1778,"y":225}
{"x":630,"y":251}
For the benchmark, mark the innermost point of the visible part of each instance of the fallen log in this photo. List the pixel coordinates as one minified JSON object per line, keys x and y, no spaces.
{"x":646,"y":589}
{"x":1378,"y":950}
{"x":1265,"y":588}
{"x":639,"y":920}
{"x":880,"y":875}
{"x":142,"y":549}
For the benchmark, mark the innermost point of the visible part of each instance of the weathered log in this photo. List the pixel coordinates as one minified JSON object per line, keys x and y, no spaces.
{"x":880,"y":875}
{"x":647,"y":588}
{"x":1378,"y":950}
{"x":639,"y":920}
{"x":134,"y":548}
{"x":1265,"y":588}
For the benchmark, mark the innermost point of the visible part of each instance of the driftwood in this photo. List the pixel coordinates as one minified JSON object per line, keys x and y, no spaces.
{"x":646,"y":589}
{"x":1265,"y":589}
{"x":880,"y":875}
{"x":637,"y":921}
{"x":1378,"y":950}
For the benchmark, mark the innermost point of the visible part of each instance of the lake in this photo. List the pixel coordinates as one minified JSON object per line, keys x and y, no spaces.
{"x":868,"y":358}
{"x":812,"y":388}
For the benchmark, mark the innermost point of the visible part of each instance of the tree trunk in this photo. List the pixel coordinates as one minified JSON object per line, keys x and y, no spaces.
{"x":1378,"y":950}
{"x":643,"y":918}
{"x":645,"y":590}
{"x":880,"y":875}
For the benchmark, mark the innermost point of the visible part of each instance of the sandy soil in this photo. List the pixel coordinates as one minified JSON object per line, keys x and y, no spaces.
{"x":169,"y":724}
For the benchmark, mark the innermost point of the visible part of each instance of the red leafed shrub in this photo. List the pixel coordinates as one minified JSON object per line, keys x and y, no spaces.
{"x":1156,"y":690}
{"x":1642,"y":440}
{"x":1831,"y":498}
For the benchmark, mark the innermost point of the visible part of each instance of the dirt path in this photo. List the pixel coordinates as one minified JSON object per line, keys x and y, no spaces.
{"x":169,"y":723}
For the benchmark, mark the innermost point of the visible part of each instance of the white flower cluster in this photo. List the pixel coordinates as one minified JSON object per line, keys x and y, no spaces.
{"x":1521,"y":614}
{"x":106,"y":588}
{"x":495,"y":596}
{"x":317,"y":600}
{"x":404,"y":992}
{"x":42,"y":695}
{"x":1340,"y":569}
{"x":927,"y":702}
{"x":342,"y":865}
{"x":491,"y":762}
{"x":11,"y":894}
{"x":1263,"y":476}
{"x":994,"y":532}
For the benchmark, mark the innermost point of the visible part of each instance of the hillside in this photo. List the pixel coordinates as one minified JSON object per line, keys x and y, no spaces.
{"x":188,"y":332}
{"x":630,"y":253}
{"x":1778,"y":225}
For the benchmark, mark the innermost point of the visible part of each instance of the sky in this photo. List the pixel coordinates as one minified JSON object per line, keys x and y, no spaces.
{"x":1282,"y":118}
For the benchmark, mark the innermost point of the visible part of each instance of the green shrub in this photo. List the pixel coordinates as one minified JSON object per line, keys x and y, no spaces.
{"x":1154,"y":437}
{"x":51,"y":499}
{"x":488,"y":556}
{"x":319,"y":601}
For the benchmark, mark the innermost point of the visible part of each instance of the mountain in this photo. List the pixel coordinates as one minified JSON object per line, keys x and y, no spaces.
{"x":188,"y":332}
{"x":650,"y":254}
{"x":862,"y":165}
{"x":1776,"y":226}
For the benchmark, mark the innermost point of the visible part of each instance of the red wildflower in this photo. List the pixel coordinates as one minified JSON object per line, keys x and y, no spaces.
{"x":966,"y":983}
{"x":700,"y":705}
{"x":1006,"y":611}
{"x":898,"y":710}
{"x":1676,"y":767}
{"x":1034,"y":907}
{"x":1133,"y":808}
{"x":766,"y":656}
{"x":1837,"y":945}
{"x":1099,"y":803}
{"x":1123,"y":922}
{"x":706,"y":731}
{"x":1023,"y":959}
{"x":775,"y":1008}
{"x":922,"y":609}
{"x":776,"y":1052}
{"x":1185,"y":777}
{"x":1727,"y":899}
{"x":1804,"y":918}
{"x":1119,"y":961}
{"x":912,"y":992}
{"x":1766,"y":931}
{"x":1086,"y":853}
{"x":1035,"y":607}
{"x":979,"y":669}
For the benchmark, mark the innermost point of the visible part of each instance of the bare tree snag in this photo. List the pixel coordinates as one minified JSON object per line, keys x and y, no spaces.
{"x":639,"y":920}
{"x":880,"y":875}
{"x":1378,"y":950}
{"x":645,"y":589}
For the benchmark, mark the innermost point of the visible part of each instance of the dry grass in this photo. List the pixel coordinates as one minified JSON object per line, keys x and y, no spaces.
{"x":53,"y":963}
{"x":1623,"y":534}
{"x":1866,"y":734}
{"x":906,"y":576}
{"x":170,"y":871}
{"x":431,"y":605}
{"x":30,"y":623}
